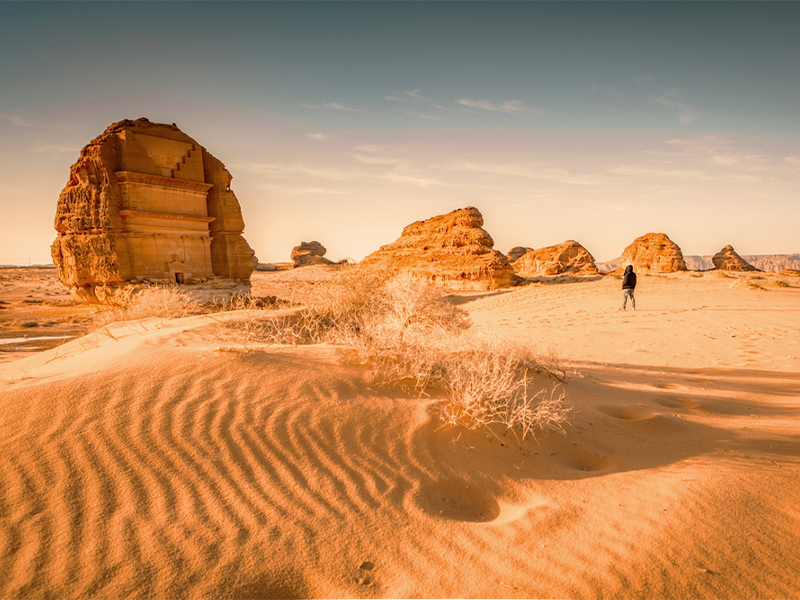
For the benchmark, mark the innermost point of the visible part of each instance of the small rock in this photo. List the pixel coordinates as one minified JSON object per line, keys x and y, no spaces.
{"x":309,"y":253}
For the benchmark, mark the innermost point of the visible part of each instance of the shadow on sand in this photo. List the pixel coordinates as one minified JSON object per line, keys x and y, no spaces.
{"x":625,"y":418}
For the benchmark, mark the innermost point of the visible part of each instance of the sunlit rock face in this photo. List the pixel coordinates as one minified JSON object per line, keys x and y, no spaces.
{"x":516,"y":252}
{"x":309,"y":253}
{"x":728,"y":260}
{"x":145,"y":203}
{"x":450,"y":250}
{"x":654,"y":253}
{"x":567,"y":257}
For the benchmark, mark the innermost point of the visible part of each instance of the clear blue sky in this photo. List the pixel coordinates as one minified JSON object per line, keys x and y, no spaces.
{"x":343,"y":122}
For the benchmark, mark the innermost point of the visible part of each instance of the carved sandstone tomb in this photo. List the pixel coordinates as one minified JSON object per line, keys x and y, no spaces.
{"x":451,"y":250}
{"x":309,"y":253}
{"x":654,"y":253}
{"x":728,"y":260}
{"x":147,"y":203}
{"x":567,"y":257}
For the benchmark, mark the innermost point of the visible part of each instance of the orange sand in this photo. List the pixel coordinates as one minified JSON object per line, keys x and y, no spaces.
{"x":152,"y":464}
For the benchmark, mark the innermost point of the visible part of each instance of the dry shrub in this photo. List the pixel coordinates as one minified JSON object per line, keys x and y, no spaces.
{"x":359,"y":307}
{"x":487,"y":380}
{"x":383,"y":313}
{"x":167,"y":302}
{"x":410,"y":333}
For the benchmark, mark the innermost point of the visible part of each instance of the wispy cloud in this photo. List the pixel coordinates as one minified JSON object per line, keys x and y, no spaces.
{"x":415,"y":97}
{"x":299,"y":191}
{"x":366,"y":164}
{"x":505,"y":106}
{"x":420,"y":103}
{"x":794,"y":160}
{"x":419,"y":115}
{"x":299,"y":169}
{"x":20,"y":121}
{"x":319,"y":137}
{"x":607,"y":89}
{"x":411,"y":97}
{"x":672,"y":101}
{"x":535,"y":172}
{"x":719,"y":152}
{"x":330,"y":106}
{"x":658,"y":172}
{"x":50,"y":149}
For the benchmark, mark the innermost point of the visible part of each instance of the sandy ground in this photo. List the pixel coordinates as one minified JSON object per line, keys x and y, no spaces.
{"x":157,"y":462}
{"x":36,"y":312}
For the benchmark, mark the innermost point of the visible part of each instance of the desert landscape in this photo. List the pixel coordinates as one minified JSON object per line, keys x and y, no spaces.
{"x":146,"y":460}
{"x":399,"y":300}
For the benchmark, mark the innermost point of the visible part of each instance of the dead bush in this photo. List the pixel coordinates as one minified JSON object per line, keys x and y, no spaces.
{"x":167,"y":302}
{"x":409,"y":333}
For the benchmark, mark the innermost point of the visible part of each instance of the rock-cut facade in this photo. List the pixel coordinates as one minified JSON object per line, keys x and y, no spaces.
{"x":145,"y":203}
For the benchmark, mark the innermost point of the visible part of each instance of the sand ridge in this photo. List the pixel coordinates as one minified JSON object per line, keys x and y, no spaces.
{"x":156,"y":463}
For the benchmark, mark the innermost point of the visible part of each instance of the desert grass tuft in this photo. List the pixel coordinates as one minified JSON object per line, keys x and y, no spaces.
{"x":166,"y":302}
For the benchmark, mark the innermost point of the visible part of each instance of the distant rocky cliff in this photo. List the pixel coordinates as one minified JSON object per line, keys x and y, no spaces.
{"x":771,"y":263}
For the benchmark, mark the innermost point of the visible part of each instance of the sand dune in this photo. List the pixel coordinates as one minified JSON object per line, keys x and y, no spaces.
{"x":153,"y":464}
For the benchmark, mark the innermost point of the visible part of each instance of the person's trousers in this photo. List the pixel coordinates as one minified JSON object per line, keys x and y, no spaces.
{"x":625,"y":295}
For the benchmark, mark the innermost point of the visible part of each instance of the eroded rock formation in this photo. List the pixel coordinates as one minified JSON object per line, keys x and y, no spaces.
{"x":145,"y":202}
{"x":567,"y":257}
{"x":309,"y":253}
{"x":451,"y":250}
{"x":654,"y":253}
{"x":516,"y":252}
{"x":728,"y":260}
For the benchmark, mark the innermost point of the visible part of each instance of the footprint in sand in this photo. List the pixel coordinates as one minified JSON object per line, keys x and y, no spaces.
{"x":579,"y":460}
{"x":665,"y":386}
{"x":625,"y":413}
{"x":678,"y":402}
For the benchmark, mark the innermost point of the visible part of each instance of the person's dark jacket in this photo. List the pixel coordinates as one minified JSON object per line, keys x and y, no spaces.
{"x":629,"y":279}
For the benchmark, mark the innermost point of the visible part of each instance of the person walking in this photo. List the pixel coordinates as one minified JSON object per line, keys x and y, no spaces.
{"x":628,"y":285}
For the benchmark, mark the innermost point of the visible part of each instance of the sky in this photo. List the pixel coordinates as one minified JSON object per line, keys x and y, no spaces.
{"x":343,"y":122}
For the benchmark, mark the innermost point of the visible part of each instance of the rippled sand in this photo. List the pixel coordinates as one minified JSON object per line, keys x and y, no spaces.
{"x":155,"y":463}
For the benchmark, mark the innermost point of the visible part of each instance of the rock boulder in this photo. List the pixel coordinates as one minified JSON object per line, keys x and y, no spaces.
{"x":654,"y":253}
{"x":728,"y":260}
{"x":450,"y":250}
{"x":516,"y":252}
{"x":568,"y":257}
{"x":309,"y":253}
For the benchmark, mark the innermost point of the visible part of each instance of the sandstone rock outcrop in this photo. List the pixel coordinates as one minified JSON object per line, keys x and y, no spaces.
{"x":450,"y":250}
{"x":146,"y":202}
{"x":568,"y":257}
{"x":516,"y":252}
{"x":728,"y":260}
{"x":309,"y":253}
{"x":654,"y":253}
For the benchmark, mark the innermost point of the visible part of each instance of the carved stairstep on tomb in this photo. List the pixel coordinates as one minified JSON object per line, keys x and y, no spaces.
{"x":177,"y":171}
